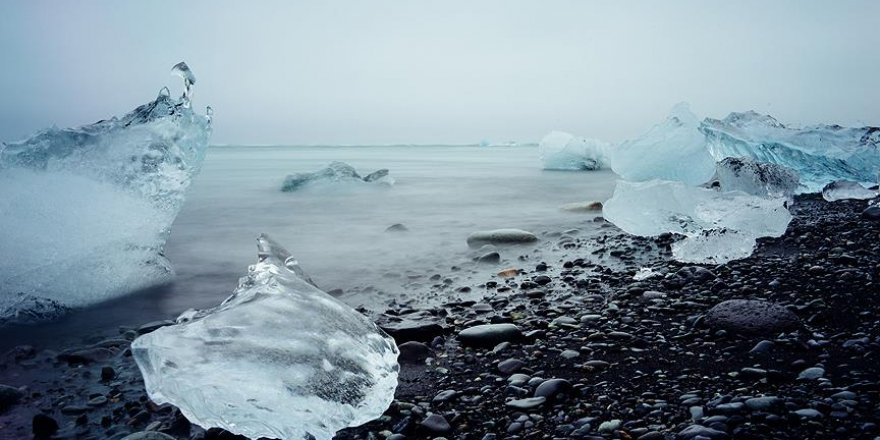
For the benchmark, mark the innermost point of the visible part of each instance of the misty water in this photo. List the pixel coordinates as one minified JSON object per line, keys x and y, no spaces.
{"x":337,"y":230}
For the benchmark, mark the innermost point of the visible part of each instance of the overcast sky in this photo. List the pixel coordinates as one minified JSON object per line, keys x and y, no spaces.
{"x":376,"y":72}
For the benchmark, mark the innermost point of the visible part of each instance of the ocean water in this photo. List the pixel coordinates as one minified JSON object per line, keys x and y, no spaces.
{"x":337,"y":231}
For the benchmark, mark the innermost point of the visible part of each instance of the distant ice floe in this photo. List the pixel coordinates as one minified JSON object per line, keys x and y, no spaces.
{"x":278,"y":359}
{"x":334,"y":173}
{"x":562,"y":151}
{"x":85,"y":212}
{"x":723,"y":184}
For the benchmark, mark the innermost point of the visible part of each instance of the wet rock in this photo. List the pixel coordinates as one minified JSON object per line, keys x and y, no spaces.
{"x":527,"y":403}
{"x":413,"y":352}
{"x":397,"y":227}
{"x":420,"y":327}
{"x":553,"y":388}
{"x":501,"y":237}
{"x":9,"y":396}
{"x":509,"y":366}
{"x":436,"y":424}
{"x":489,"y":335}
{"x":107,"y":373}
{"x":750,"y":317}
{"x":700,"y":432}
{"x":44,"y":426}
{"x":490,"y":258}
{"x":148,"y":435}
{"x":812,"y":373}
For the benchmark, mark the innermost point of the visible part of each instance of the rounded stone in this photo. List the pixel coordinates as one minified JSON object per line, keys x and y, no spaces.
{"x":489,"y":335}
{"x":501,"y":236}
{"x":750,"y":317}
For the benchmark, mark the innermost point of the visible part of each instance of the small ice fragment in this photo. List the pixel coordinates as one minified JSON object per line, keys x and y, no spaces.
{"x":844,"y":190}
{"x":644,"y":273}
{"x":182,"y":70}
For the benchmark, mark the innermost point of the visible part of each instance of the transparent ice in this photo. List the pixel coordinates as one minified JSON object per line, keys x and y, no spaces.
{"x":336,"y":172}
{"x":562,"y":151}
{"x":85,"y":212}
{"x":756,"y":178}
{"x":673,"y":150}
{"x":279,"y":358}
{"x":819,"y":154}
{"x":844,"y":190}
{"x":718,"y":226}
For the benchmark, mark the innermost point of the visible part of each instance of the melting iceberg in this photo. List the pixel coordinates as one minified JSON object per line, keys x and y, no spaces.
{"x":279,"y":358}
{"x":718,"y":226}
{"x":85,"y":212}
{"x":672,"y":150}
{"x":562,"y":151}
{"x":756,"y":178}
{"x":819,"y":154}
{"x":843,"y":190}
{"x":335,"y":172}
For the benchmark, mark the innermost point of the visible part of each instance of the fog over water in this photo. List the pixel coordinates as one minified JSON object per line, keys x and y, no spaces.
{"x":387,"y":72}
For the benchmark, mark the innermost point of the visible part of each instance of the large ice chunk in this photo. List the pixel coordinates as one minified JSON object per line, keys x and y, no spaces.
{"x":844,"y":190}
{"x":819,"y":154}
{"x":85,"y":212}
{"x":279,"y":358}
{"x":563,"y":151}
{"x":335,"y":172}
{"x":672,"y":150}
{"x":756,"y":178}
{"x":718,"y":226}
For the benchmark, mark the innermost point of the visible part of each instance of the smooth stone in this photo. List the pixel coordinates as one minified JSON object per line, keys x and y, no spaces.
{"x":569,"y":354}
{"x":762,"y":347}
{"x":501,"y":236}
{"x":489,"y":335}
{"x":610,"y":426}
{"x":552,"y":388}
{"x":413,"y":352}
{"x":808,"y":413}
{"x":750,"y":317}
{"x":763,"y":403}
{"x":445,"y":396}
{"x":9,"y":396}
{"x":509,"y":366}
{"x":437,"y":424}
{"x":397,"y":227}
{"x":527,"y":403}
{"x":811,"y":373}
{"x":490,"y":258}
{"x":582,"y":207}
{"x":148,"y":435}
{"x":43,"y":426}
{"x":698,"y":431}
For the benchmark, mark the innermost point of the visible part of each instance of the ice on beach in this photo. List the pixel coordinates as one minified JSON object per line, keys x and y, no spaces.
{"x":85,"y":212}
{"x":756,"y":178}
{"x":819,"y":154}
{"x":718,"y":226}
{"x":673,"y":150}
{"x":562,"y":151}
{"x":844,"y":190}
{"x":334,"y":173}
{"x":278,"y":359}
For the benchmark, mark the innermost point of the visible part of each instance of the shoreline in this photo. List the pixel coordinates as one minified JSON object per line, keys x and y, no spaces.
{"x":611,"y":356}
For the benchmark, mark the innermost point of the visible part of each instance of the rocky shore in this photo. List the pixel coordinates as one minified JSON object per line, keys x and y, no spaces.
{"x":784,"y":344}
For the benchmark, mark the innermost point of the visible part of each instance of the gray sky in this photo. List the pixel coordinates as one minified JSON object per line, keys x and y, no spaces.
{"x":374,"y":72}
